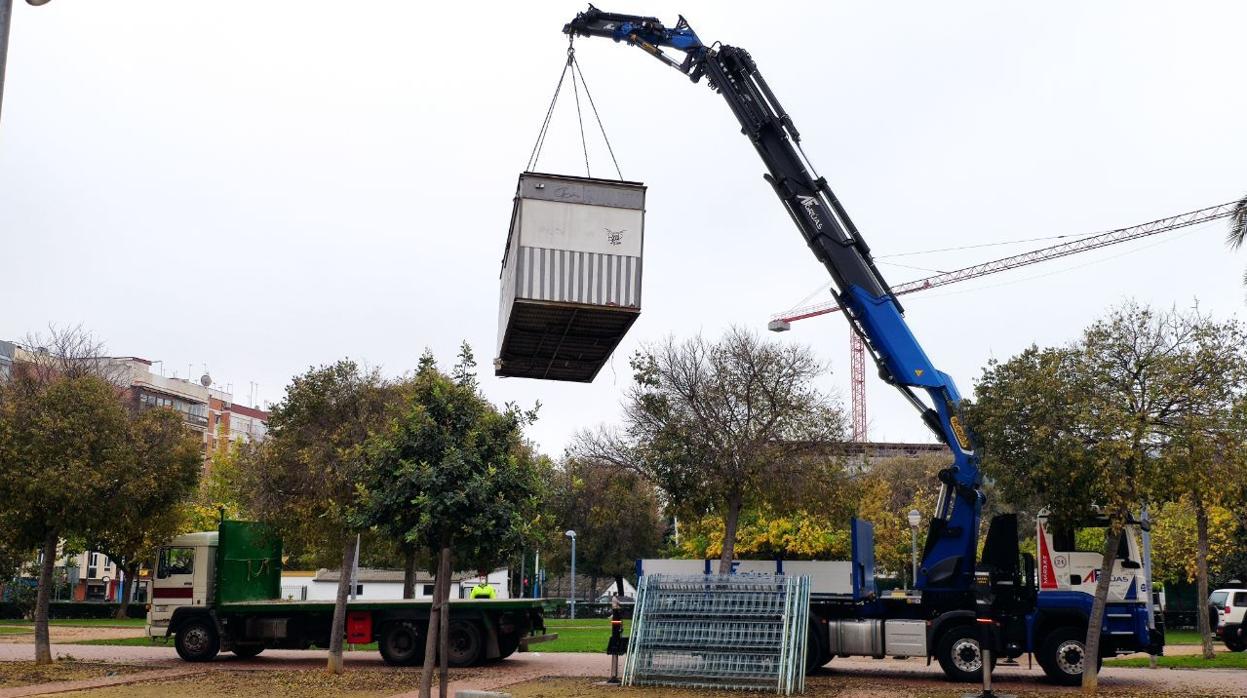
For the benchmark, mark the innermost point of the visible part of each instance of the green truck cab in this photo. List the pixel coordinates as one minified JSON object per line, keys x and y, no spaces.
{"x":219,"y":591}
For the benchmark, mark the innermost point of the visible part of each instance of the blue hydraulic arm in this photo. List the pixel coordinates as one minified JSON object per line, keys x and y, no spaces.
{"x":874,"y":312}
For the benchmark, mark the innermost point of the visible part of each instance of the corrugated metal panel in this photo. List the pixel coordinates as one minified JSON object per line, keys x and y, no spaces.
{"x":578,"y":277}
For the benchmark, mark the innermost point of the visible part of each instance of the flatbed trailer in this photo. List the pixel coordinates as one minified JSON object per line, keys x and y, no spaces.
{"x":218,"y":591}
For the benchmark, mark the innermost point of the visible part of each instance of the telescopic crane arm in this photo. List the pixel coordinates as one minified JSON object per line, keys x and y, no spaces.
{"x":859,"y":288}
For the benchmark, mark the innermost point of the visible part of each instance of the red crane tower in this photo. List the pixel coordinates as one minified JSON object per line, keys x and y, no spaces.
{"x":782,"y":322}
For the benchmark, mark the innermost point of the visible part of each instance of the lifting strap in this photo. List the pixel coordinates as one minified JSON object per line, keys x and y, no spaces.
{"x":572,"y":65}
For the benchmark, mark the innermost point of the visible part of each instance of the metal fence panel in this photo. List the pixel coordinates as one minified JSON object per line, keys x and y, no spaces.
{"x":744,"y":632}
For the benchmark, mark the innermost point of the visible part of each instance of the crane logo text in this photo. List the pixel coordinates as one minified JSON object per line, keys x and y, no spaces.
{"x":810,"y":204}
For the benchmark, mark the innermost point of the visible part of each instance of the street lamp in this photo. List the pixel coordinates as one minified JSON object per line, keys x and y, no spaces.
{"x":572,"y":534}
{"x":915,"y":517}
{"x":6,"y":14}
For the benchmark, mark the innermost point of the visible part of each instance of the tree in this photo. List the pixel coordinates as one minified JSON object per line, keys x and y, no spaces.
{"x":61,"y":444}
{"x":305,"y":477}
{"x":150,"y":490}
{"x":724,"y":427}
{"x":1238,"y":228}
{"x":221,"y":489}
{"x":1087,"y":424}
{"x":616,"y":516}
{"x":451,"y":474}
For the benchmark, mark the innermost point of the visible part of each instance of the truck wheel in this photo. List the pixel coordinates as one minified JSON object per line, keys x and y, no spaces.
{"x":507,"y":644}
{"x":401,"y":645}
{"x":465,"y":645}
{"x":958,"y":653}
{"x":198,"y":641}
{"x":247,"y":651}
{"x":1235,"y":640}
{"x":1061,"y":655}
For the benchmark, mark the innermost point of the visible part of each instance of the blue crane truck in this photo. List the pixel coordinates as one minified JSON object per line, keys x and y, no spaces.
{"x":1041,"y":610}
{"x":220,"y":591}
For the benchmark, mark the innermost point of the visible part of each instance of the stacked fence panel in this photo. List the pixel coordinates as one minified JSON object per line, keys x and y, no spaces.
{"x":744,"y":632}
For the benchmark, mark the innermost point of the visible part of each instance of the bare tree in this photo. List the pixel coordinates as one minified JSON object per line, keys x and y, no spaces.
{"x":721,"y":426}
{"x":69,"y":352}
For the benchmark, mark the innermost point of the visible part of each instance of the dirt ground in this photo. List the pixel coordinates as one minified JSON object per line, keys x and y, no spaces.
{"x":294,"y":684}
{"x":816,"y":687}
{"x":63,"y":635}
{"x":28,"y":673}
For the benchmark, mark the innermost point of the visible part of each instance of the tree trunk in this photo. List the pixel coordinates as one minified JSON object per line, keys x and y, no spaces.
{"x":409,"y":572}
{"x":1090,"y":661}
{"x":592,"y":596}
{"x":337,"y":631}
{"x":619,"y":590}
{"x":43,"y":645}
{"x":430,"y":636}
{"x":1201,"y":573}
{"x":731,"y":519}
{"x":126,"y":592}
{"x":443,"y":646}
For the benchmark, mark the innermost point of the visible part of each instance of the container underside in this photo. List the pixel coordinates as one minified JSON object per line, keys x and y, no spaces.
{"x":560,"y":341}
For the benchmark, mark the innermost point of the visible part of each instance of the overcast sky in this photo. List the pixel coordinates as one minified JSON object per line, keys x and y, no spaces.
{"x":257,"y":187}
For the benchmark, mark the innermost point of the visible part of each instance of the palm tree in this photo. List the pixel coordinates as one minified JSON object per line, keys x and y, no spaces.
{"x":1238,"y":228}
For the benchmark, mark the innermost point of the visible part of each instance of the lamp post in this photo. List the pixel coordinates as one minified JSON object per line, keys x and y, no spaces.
{"x":572,"y":534}
{"x":915,"y":517}
{"x":6,"y":15}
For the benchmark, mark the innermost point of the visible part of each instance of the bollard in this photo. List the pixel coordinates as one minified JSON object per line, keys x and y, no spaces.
{"x":618,"y":644}
{"x":985,"y":657}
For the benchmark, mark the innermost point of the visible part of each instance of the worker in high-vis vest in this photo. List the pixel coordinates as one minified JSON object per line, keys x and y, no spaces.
{"x":483,"y":589}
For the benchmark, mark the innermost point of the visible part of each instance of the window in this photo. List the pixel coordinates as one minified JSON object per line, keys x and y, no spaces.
{"x":1086,"y":540}
{"x":175,"y":561}
{"x":1217,"y":600}
{"x":95,"y":592}
{"x":1240,"y":599}
{"x":427,"y":590}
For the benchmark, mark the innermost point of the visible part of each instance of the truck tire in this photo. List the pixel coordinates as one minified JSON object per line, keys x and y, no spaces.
{"x":1235,"y":640}
{"x":247,"y":651}
{"x":401,"y":644}
{"x":465,"y":644}
{"x":958,"y":653}
{"x":508,"y":643}
{"x":1061,"y":655}
{"x":198,"y":640}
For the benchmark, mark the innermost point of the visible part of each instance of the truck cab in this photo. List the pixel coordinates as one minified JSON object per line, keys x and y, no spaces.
{"x":185,"y":571}
{"x":1068,"y":571}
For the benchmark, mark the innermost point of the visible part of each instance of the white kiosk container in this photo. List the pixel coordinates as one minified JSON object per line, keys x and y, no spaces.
{"x":571,"y":275}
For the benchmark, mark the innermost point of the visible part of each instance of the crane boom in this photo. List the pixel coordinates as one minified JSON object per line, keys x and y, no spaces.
{"x":870,"y":304}
{"x":779,"y":321}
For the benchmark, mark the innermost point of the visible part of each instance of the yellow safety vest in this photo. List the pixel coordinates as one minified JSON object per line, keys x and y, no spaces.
{"x":483,"y":591}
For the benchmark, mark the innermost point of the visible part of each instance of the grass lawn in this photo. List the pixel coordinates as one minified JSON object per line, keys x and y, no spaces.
{"x":1183,"y":637}
{"x":15,"y":630}
{"x":587,"y":635}
{"x":580,"y":635}
{"x":1223,"y":660}
{"x":82,"y":622}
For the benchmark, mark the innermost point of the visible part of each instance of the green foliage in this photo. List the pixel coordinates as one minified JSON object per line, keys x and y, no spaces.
{"x":305,"y":477}
{"x":149,"y":490}
{"x":615,"y":513}
{"x":63,"y":450}
{"x":1173,"y":532}
{"x":450,"y":469}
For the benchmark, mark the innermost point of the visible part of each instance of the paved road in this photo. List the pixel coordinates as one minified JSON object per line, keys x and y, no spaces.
{"x":527,"y":666}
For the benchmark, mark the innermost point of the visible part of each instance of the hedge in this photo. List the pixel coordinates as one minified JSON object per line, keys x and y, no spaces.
{"x":78,"y":609}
